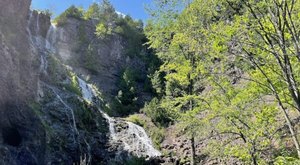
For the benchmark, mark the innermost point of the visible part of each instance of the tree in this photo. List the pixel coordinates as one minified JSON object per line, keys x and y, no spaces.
{"x":221,"y":43}
{"x":71,"y":12}
{"x":265,"y":36}
{"x":93,"y":12}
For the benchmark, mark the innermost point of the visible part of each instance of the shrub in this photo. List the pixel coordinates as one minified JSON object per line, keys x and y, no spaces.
{"x":286,"y":161}
{"x":157,"y":114}
{"x":73,"y":86}
{"x":71,"y":12}
{"x":102,"y":30}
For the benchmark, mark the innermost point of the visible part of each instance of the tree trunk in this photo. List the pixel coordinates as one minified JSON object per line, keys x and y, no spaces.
{"x":193,"y":151}
{"x":292,"y":131}
{"x":254,"y":159}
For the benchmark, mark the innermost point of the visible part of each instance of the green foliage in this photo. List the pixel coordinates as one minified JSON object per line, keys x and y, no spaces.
{"x":286,"y":161}
{"x":222,"y":61}
{"x":103,"y":31}
{"x":55,"y":70}
{"x":110,"y":23}
{"x":106,"y":16}
{"x":93,"y":12}
{"x":132,"y":32}
{"x":157,"y":114}
{"x":47,"y":12}
{"x":157,"y":79}
{"x":90,"y":59}
{"x":82,"y":34}
{"x":73,"y":86}
{"x":126,"y":100}
{"x":136,"y":120}
{"x":71,"y":12}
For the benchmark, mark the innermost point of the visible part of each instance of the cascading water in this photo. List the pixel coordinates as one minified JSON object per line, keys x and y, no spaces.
{"x":68,"y":111}
{"x":49,"y":46}
{"x":38,"y":43}
{"x":38,"y":24}
{"x":42,"y":45}
{"x":139,"y":140}
{"x":134,"y":138}
{"x":86,"y":89}
{"x":28,"y":29}
{"x":51,"y":38}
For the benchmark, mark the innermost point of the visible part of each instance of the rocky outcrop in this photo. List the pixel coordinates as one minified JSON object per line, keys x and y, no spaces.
{"x":18,"y":73}
{"x":78,"y":46}
{"x":22,"y":136}
{"x":44,"y":118}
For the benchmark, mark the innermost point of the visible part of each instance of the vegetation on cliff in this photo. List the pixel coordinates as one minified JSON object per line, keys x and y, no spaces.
{"x":225,"y":72}
{"x":230,"y":74}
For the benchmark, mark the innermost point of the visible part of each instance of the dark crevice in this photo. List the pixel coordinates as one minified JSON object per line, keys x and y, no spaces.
{"x":11,"y":136}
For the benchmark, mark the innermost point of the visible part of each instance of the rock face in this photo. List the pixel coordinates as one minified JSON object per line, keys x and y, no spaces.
{"x":76,"y":41}
{"x":22,"y":137}
{"x":45,"y":117}
{"x":18,"y":75}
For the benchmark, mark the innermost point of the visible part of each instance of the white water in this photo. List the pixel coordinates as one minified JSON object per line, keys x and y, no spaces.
{"x":38,"y":24}
{"x":72,"y":120}
{"x":51,"y":38}
{"x":141,"y":140}
{"x":87,"y":90}
{"x":38,"y":43}
{"x":134,"y":138}
{"x":28,"y":29}
{"x":44,"y":46}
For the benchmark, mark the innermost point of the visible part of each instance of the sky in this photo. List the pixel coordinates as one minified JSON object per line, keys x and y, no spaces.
{"x":134,"y":8}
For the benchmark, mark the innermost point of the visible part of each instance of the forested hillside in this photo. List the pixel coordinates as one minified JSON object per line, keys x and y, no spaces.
{"x":200,"y":82}
{"x":229,"y":79}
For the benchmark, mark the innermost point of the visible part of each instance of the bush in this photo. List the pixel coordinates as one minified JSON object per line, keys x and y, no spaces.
{"x":93,"y":12}
{"x":90,"y":61}
{"x":157,"y":114}
{"x":73,"y":86}
{"x":126,"y":100}
{"x":103,"y":31}
{"x":137,"y":120}
{"x":286,"y":161}
{"x":71,"y":12}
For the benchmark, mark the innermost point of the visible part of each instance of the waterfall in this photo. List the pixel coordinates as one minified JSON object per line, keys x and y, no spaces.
{"x":38,"y":24}
{"x":51,"y":38}
{"x":71,"y":111}
{"x":141,"y":141}
{"x":37,"y":42}
{"x":88,"y":94}
{"x":73,"y":120}
{"x":49,"y":46}
{"x":28,"y":29}
{"x":134,"y":138}
{"x":87,"y":90}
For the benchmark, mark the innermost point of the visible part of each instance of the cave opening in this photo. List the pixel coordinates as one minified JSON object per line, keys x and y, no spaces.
{"x":11,"y":136}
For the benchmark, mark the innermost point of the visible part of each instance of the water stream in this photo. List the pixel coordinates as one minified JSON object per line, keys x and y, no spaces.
{"x":134,"y":138}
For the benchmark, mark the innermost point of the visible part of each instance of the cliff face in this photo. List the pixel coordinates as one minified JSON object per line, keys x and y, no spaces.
{"x":21,"y":134}
{"x":18,"y":75}
{"x":102,"y":61}
{"x":44,"y":117}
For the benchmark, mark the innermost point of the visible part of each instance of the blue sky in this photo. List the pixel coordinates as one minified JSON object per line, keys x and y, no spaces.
{"x":135,"y":8}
